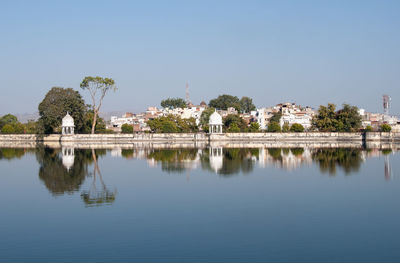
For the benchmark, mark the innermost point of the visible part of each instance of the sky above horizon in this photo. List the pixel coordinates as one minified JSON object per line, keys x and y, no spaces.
{"x":308,"y":52}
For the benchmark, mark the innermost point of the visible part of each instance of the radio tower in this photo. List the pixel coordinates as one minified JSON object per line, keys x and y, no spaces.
{"x":386,"y":104}
{"x":187,"y":94}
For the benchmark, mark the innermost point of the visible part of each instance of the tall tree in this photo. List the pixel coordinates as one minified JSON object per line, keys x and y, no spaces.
{"x":98,"y":88}
{"x":173,"y":103}
{"x":225,"y":101}
{"x":55,"y":105}
{"x":246,"y":104}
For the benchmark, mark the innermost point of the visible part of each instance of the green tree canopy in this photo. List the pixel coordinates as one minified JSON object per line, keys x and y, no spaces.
{"x":232,"y":122}
{"x":297,"y":127}
{"x":225,"y":101}
{"x":346,"y":119}
{"x":386,"y":128}
{"x":285,"y":127}
{"x":276,"y":117}
{"x":8,"y":119}
{"x":126,"y":128}
{"x":274,"y":127}
{"x":246,"y":104}
{"x":172,"y":124}
{"x":205,"y":116}
{"x":98,"y":88}
{"x":173,"y":103}
{"x":55,"y":105}
{"x":254,"y":127}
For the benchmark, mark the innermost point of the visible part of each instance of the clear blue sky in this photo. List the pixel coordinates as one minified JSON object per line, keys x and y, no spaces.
{"x":309,"y":52}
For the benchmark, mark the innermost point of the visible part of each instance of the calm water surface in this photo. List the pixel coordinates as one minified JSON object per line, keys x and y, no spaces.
{"x":199,"y":205}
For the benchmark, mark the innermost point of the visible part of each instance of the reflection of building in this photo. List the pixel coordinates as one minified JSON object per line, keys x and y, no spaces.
{"x":215,"y":123}
{"x":216,"y":158}
{"x":68,"y":157}
{"x":68,"y":125}
{"x":388,"y":168}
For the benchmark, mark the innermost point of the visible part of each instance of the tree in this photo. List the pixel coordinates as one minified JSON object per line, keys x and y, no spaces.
{"x":246,"y":104}
{"x":223,"y":102}
{"x":8,"y":129}
{"x":231,"y":119}
{"x":173,"y":103}
{"x":297,"y":127}
{"x":233,"y":128}
{"x":348,"y":119}
{"x":205,"y":117}
{"x":98,"y":88}
{"x":55,"y":105}
{"x":325,"y":120}
{"x":276,"y":117}
{"x":274,"y":127}
{"x":368,"y":128}
{"x":386,"y":128}
{"x":171,"y":124}
{"x":285,"y":127}
{"x":7,"y":119}
{"x":100,"y":123}
{"x":254,"y":127}
{"x":126,"y":128}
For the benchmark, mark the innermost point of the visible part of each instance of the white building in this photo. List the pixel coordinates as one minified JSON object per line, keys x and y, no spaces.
{"x":215,"y":123}
{"x":68,"y":125}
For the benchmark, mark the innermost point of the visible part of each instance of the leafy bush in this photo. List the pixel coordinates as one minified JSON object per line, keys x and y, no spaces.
{"x":126,"y":128}
{"x":7,"y":129}
{"x":233,"y":128}
{"x":254,"y":127}
{"x":296,"y":127}
{"x":386,"y":128}
{"x":368,"y":128}
{"x":285,"y":127}
{"x":274,"y":127}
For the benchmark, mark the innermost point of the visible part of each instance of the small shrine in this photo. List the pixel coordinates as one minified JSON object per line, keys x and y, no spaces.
{"x":68,"y":125}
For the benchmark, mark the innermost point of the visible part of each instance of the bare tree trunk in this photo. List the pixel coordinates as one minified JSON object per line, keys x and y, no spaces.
{"x":94,"y":121}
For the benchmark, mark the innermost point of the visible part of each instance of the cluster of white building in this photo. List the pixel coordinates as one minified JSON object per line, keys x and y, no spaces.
{"x":291,"y":113}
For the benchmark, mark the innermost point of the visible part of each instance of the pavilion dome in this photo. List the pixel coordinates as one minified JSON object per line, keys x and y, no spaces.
{"x":68,"y":121}
{"x":215,"y":119}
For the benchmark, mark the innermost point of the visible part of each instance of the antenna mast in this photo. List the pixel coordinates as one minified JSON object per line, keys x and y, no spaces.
{"x":386,"y":104}
{"x":187,"y":94}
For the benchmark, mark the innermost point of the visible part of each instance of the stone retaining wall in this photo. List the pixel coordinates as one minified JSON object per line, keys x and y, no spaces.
{"x":176,"y":138}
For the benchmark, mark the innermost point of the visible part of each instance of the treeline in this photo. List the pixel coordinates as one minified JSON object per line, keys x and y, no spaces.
{"x":9,"y":124}
{"x":222,"y":102}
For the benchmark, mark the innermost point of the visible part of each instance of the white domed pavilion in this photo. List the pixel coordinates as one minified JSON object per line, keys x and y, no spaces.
{"x":215,"y":123}
{"x":68,"y":125}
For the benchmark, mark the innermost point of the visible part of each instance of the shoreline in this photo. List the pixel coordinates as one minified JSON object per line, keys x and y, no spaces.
{"x":201,"y":140}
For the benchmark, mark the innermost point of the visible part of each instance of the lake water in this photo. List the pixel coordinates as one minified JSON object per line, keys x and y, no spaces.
{"x":199,"y":205}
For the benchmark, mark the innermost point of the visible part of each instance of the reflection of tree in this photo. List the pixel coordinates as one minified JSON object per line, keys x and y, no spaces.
{"x":235,"y":160}
{"x":55,"y":176}
{"x":94,"y":196}
{"x":173,"y":160}
{"x":297,"y":151}
{"x":348,"y":159}
{"x":11,"y":153}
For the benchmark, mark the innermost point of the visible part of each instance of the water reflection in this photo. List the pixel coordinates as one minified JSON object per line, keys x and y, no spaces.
{"x":65,"y":170}
{"x":97,"y":194}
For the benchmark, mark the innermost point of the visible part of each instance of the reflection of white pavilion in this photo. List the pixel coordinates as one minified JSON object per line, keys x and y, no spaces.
{"x":216,"y":158}
{"x":68,"y":157}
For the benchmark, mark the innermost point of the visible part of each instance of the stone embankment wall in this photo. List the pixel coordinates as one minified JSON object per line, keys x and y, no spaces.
{"x":176,"y":138}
